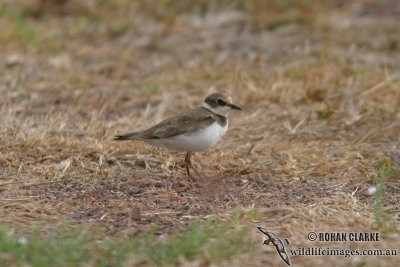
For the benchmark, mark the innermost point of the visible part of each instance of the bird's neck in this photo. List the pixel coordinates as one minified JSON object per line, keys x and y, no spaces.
{"x":215,"y":110}
{"x":220,"y":119}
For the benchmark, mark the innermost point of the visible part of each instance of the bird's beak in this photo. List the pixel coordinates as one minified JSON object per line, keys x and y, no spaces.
{"x":234,"y":106}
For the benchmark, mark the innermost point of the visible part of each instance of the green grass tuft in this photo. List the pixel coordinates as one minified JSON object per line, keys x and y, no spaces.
{"x":20,"y":28}
{"x":151,"y":88}
{"x":209,"y":241}
{"x":386,"y":170}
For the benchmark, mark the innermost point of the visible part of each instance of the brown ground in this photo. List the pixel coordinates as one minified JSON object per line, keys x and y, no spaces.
{"x":320,"y":100}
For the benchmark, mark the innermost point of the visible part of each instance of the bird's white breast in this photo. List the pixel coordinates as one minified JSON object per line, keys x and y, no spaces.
{"x":200,"y":140}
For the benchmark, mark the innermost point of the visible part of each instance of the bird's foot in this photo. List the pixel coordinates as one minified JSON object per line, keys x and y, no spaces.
{"x":185,"y":186}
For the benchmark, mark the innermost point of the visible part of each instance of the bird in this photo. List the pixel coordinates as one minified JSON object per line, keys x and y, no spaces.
{"x":192,"y":131}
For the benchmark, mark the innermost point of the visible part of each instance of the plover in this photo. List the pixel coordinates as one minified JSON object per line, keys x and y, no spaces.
{"x":192,"y":131}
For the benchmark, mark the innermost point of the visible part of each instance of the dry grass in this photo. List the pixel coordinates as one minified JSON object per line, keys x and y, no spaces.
{"x":321,"y":99}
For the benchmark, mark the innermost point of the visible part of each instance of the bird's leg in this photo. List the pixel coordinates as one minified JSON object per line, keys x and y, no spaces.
{"x":188,"y":163}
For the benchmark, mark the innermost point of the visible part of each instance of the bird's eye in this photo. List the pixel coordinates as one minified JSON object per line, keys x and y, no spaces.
{"x":220,"y":102}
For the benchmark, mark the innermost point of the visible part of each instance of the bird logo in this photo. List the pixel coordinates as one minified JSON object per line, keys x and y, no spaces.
{"x":274,"y":240}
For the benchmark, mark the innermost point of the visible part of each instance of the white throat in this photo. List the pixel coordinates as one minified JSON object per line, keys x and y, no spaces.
{"x":223,"y":111}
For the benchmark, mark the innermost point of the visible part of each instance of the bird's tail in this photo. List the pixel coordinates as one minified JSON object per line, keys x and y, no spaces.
{"x":129,"y":136}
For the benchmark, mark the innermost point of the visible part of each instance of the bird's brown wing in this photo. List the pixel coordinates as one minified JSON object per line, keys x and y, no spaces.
{"x":190,"y":121}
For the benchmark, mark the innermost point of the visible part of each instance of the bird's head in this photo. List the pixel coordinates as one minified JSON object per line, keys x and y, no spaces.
{"x":219,"y":103}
